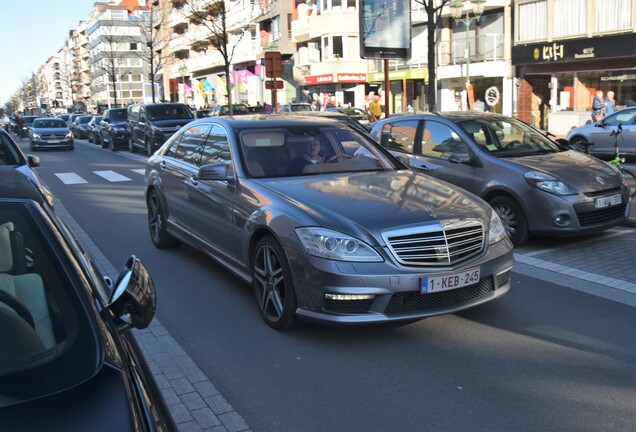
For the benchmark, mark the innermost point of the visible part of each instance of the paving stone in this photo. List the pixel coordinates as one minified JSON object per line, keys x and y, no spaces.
{"x":233,"y":422}
{"x":182,"y":385}
{"x":205,"y":418}
{"x":180,"y":413}
{"x":206,"y":389}
{"x":193,"y":401}
{"x":218,"y":404}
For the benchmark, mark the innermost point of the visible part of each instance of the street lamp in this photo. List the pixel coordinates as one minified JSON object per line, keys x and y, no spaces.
{"x":457,"y":12}
{"x":182,"y":70}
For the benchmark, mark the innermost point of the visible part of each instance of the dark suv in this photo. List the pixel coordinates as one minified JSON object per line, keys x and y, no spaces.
{"x":114,"y":132}
{"x":150,"y":125}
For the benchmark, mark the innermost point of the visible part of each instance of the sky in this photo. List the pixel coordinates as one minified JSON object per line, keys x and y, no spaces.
{"x":31,"y":31}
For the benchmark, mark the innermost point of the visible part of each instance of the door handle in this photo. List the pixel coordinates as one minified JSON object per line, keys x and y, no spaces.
{"x":162,"y":165}
{"x":194,"y":180}
{"x":422,"y":167}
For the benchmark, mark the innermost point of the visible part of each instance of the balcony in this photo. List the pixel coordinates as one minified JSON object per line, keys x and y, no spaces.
{"x":313,"y":26}
{"x":489,"y":47}
{"x":177,"y":20}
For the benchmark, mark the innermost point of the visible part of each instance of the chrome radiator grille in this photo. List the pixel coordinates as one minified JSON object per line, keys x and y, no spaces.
{"x":440,"y":244}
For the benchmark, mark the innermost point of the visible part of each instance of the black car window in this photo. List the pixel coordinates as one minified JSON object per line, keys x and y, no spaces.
{"x":188,"y":147}
{"x":400,"y":135}
{"x":118,"y":115}
{"x":51,"y":346}
{"x":49,"y":124}
{"x":8,"y":153}
{"x":440,"y":141}
{"x":216,"y":148}
{"x":85,"y":119}
{"x":168,"y":112}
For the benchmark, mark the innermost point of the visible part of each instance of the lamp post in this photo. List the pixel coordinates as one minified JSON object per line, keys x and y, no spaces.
{"x":457,"y":12}
{"x":182,"y":70}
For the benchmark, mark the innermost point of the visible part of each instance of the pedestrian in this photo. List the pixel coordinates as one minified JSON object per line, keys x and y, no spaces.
{"x":610,"y":104}
{"x":375,"y":108}
{"x":598,"y":106}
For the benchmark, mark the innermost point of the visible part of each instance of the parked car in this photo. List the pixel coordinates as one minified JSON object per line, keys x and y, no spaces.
{"x":12,"y":156}
{"x":224,"y":110}
{"x":295,"y":107}
{"x":596,"y":136}
{"x":150,"y":125}
{"x":72,"y":117}
{"x":342,"y":118}
{"x":535,"y":185}
{"x":355,"y":113}
{"x":256,"y":109}
{"x":79,"y":127}
{"x":64,"y":117}
{"x":355,"y":238}
{"x":201,"y":113}
{"x":68,"y":360}
{"x":50,"y":133}
{"x":93,"y":130}
{"x":114,"y":129}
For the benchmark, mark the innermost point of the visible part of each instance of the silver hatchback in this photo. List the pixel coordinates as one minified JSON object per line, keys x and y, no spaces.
{"x":535,"y":185}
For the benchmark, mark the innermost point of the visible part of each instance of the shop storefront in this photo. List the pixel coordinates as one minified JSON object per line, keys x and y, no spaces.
{"x":338,"y":88}
{"x":408,"y":89}
{"x":557,"y":81}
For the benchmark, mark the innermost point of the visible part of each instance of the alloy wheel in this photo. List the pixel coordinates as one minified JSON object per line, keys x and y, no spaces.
{"x":270,"y":283}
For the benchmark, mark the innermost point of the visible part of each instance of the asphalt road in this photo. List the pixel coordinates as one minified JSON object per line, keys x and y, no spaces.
{"x":542,"y":358}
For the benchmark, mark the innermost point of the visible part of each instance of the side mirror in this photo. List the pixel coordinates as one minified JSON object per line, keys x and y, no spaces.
{"x":562,"y":142}
{"x":33,"y":161}
{"x":460,"y":158}
{"x":133,"y":300}
{"x":217,"y":171}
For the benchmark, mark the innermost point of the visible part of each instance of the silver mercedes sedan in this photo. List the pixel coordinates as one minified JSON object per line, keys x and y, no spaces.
{"x":325,"y":225}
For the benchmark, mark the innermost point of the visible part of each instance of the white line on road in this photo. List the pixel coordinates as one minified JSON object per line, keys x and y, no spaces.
{"x":141,"y":171}
{"x":112,"y":176}
{"x":70,"y":178}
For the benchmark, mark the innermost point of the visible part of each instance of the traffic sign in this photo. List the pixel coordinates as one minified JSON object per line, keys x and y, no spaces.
{"x":271,"y":85}
{"x":273,"y":64}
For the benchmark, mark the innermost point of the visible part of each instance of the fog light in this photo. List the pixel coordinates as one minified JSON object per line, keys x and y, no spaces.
{"x":563,"y":220}
{"x":349,"y":296}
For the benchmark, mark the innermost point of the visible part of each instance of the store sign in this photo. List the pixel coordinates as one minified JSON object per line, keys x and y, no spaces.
{"x":352,"y":77}
{"x":394,"y":75}
{"x":318,"y":79}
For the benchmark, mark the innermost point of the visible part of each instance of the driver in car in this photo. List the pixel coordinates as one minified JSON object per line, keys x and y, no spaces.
{"x":311,"y":156}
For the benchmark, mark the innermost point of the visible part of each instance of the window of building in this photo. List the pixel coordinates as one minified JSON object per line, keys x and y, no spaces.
{"x":133,"y":46}
{"x":613,"y":15}
{"x":338,"y":51}
{"x":567,"y":23}
{"x":532,"y":20}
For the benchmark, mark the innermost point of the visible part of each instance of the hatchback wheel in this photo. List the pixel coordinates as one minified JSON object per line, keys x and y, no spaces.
{"x":581,"y":145}
{"x":111,"y":144}
{"x":157,"y":223}
{"x":273,"y":286}
{"x":512,"y":217}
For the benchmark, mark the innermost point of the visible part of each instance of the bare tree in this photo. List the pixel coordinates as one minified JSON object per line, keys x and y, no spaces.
{"x":213,"y":17}
{"x":105,"y":63}
{"x":433,"y":10}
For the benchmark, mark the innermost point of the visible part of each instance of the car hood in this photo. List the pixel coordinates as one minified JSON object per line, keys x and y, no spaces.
{"x":100,"y":402}
{"x":575,"y":168}
{"x":119,"y":124}
{"x":369,"y":203}
{"x":50,"y":131}
{"x":171,"y":123}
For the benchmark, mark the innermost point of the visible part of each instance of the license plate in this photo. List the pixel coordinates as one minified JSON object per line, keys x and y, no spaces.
{"x":450,"y":281}
{"x":607,"y":201}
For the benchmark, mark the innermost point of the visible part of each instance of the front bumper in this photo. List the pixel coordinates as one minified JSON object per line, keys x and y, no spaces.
{"x":576,"y":214}
{"x":395,"y":290}
{"x":52,"y":144}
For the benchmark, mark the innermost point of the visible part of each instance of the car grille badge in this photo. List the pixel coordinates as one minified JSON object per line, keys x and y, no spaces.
{"x":600,"y":180}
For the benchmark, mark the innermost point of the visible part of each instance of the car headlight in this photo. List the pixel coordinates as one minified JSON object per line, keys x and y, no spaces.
{"x":497,"y":231}
{"x":329,"y":244}
{"x":36,"y":136}
{"x":69,"y":135}
{"x":548,"y":183}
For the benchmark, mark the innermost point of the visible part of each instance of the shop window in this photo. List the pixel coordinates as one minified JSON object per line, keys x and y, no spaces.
{"x":613,"y":15}
{"x":532,"y":20}
{"x":567,"y":23}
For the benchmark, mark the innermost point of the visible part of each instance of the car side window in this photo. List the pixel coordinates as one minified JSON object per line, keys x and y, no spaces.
{"x":440,"y":141}
{"x":625,"y":117}
{"x":400,"y":135}
{"x":216,"y":148}
{"x":188,"y":147}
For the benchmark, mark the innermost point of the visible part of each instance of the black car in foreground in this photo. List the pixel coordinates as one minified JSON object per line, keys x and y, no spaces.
{"x":68,"y":361}
{"x":114,"y":129}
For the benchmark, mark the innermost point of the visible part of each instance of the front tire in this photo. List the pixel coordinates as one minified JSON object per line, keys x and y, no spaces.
{"x":512,"y":217}
{"x":273,"y":286}
{"x":581,"y":145}
{"x":111,"y":144}
{"x":157,"y":223}
{"x":131,"y":145}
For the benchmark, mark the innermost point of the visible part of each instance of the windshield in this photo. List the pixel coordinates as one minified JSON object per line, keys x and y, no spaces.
{"x":118,"y":115}
{"x":508,"y":137}
{"x":168,"y":112}
{"x":296,"y":108}
{"x":50,"y":124}
{"x":85,"y":119}
{"x":49,"y":345}
{"x":309,"y":150}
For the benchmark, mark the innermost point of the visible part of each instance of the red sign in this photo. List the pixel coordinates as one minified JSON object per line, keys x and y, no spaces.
{"x":319,"y":79}
{"x":273,"y":64}
{"x":271,"y":85}
{"x":352,"y":77}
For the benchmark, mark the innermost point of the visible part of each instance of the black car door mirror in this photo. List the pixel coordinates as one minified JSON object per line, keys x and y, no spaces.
{"x":460,"y":158}
{"x":33,"y":161}
{"x":217,"y":171}
{"x":133,"y":299}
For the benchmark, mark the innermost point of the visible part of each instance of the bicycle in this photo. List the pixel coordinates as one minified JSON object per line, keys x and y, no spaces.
{"x":619,"y":160}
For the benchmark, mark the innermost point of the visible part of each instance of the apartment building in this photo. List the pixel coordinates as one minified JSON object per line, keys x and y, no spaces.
{"x":77,"y":69}
{"x":55,"y":83}
{"x":117,"y":43}
{"x":565,"y":50}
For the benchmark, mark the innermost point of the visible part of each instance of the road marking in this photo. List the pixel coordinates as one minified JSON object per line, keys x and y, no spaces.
{"x":70,"y":178}
{"x":112,"y":176}
{"x":141,"y":171}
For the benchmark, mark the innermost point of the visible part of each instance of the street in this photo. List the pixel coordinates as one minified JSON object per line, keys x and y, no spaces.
{"x":556,"y":353}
